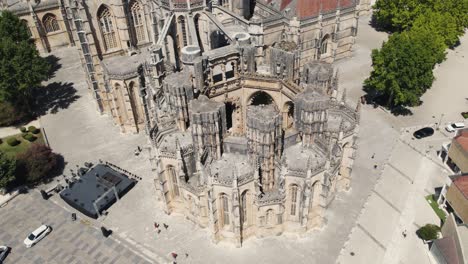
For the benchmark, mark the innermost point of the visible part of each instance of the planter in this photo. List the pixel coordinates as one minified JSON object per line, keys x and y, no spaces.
{"x":465,"y":115}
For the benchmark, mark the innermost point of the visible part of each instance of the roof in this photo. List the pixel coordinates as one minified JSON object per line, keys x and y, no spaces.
{"x":93,"y":186}
{"x":462,"y":139}
{"x":311,"y":8}
{"x":461,"y":182}
{"x":448,"y":249}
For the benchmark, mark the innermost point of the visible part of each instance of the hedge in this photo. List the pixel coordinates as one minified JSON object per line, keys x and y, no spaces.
{"x":12,"y":141}
{"x":33,"y":129}
{"x":428,"y":232}
{"x":30,"y":137}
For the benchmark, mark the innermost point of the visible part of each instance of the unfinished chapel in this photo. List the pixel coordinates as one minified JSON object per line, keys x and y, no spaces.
{"x":250,"y":134}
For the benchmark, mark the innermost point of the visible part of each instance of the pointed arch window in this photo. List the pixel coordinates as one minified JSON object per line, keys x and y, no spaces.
{"x":50,"y":23}
{"x":224,"y":210}
{"x":107,"y":28}
{"x":324,"y":45}
{"x":270,"y":217}
{"x":244,"y":204}
{"x":293,"y":199}
{"x":136,"y":14}
{"x":25,"y":23}
{"x":183,"y":30}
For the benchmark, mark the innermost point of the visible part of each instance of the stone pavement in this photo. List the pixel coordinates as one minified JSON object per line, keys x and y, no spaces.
{"x":70,"y":242}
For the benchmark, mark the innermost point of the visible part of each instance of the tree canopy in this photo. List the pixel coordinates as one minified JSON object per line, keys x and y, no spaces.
{"x":422,"y":30}
{"x":21,"y":68}
{"x":7,"y":170}
{"x":37,"y":163}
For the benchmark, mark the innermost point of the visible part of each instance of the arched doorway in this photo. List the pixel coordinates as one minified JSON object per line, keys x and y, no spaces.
{"x":261,"y":98}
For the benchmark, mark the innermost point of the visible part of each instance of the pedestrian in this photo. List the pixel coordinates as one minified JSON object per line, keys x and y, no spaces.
{"x":375,"y":166}
{"x":373,"y":155}
{"x":139,"y":149}
{"x":156,"y":225}
{"x":165,"y":226}
{"x":404,"y":233}
{"x":174,"y":256}
{"x":186,"y":255}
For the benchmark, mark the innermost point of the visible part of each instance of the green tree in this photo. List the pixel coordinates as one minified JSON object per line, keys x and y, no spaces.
{"x":403,"y":67}
{"x":428,"y":232}
{"x":442,"y":24}
{"x":21,"y":68}
{"x":397,"y":15}
{"x":7,"y":170}
{"x":12,"y":27}
{"x":458,"y":9}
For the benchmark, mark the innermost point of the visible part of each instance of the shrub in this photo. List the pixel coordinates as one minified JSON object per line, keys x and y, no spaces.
{"x":36,"y":163}
{"x":465,"y":115}
{"x":30,"y":137}
{"x":428,"y":232}
{"x":12,"y":141}
{"x":33,"y":129}
{"x":23,"y":129}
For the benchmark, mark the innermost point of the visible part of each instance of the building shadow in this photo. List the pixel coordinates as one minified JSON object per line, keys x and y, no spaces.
{"x":53,"y":61}
{"x":54,"y":97}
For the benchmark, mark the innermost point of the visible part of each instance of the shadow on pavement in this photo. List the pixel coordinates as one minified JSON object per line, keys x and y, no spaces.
{"x":53,"y":97}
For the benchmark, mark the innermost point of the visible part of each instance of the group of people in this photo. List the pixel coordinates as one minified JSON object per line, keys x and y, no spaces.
{"x":156,"y":227}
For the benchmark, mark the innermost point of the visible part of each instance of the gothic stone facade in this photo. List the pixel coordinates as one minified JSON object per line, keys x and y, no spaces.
{"x":238,"y":98}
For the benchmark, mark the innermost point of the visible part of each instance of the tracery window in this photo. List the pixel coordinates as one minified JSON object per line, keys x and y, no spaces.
{"x":107,"y":28}
{"x":50,"y":23}
{"x":324,"y":45}
{"x":293,"y":199}
{"x":224,"y":210}
{"x":137,"y":21}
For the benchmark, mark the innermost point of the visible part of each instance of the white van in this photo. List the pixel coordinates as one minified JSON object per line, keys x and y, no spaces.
{"x":454,"y":126}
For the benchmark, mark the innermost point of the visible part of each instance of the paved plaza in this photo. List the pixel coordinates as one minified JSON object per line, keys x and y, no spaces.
{"x":367,"y":220}
{"x":70,"y":242}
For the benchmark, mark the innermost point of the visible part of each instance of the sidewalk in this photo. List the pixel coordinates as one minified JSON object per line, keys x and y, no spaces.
{"x":8,"y":131}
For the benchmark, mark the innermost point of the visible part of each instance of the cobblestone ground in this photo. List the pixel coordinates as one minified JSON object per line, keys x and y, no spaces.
{"x":70,"y":242}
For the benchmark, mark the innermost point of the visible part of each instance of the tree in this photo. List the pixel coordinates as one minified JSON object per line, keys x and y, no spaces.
{"x":7,"y":170}
{"x":403,"y":67}
{"x":397,"y":15}
{"x":458,"y":9}
{"x":442,"y":24}
{"x":37,"y":163}
{"x":21,"y":68}
{"x":12,"y":27}
{"x":428,"y":232}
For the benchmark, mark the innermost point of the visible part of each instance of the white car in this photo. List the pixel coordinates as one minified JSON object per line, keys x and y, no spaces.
{"x":454,"y":126}
{"x":37,"y":235}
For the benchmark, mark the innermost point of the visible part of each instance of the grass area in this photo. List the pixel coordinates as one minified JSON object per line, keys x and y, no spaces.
{"x":439,"y":212}
{"x":20,"y":148}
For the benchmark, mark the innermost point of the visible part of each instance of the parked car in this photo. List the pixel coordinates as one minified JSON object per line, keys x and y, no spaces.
{"x":423,"y":132}
{"x":454,"y":126}
{"x":4,"y":250}
{"x":37,"y":235}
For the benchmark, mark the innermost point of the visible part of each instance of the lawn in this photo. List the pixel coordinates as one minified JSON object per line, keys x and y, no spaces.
{"x":439,"y":212}
{"x":22,"y":147}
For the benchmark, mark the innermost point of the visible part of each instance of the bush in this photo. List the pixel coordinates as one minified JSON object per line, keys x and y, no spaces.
{"x":30,"y":137}
{"x":12,"y":141}
{"x":428,"y":232}
{"x":23,"y":129}
{"x":36,"y":164}
{"x":33,"y":129}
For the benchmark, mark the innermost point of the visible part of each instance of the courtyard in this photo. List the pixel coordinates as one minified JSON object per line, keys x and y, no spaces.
{"x":354,"y":219}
